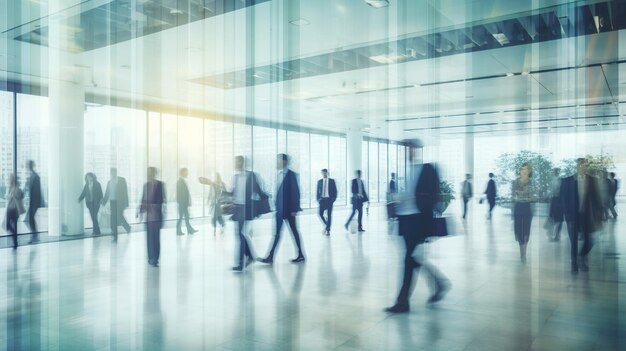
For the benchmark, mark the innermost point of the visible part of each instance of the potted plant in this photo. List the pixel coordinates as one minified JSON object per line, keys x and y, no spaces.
{"x":447,"y":195}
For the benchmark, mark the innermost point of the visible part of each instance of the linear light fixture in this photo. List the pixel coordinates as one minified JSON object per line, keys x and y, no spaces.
{"x":377,"y":4}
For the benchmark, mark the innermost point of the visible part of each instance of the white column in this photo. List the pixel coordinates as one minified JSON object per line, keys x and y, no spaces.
{"x":66,"y":107}
{"x":469,"y":151}
{"x":353,"y":144}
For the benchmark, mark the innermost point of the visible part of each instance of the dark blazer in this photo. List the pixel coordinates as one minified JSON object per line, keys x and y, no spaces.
{"x":122,"y":193}
{"x":34,"y":191}
{"x":97,"y":194}
{"x":393,"y":188}
{"x":288,"y":196}
{"x":355,"y":190}
{"x":252,"y":188}
{"x":152,"y":201}
{"x":491,"y":190}
{"x":427,"y":195}
{"x":590,"y":218}
{"x":332,"y":189}
{"x":182,"y":193}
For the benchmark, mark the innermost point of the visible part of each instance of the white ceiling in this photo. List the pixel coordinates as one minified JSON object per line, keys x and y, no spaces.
{"x":158,"y":68}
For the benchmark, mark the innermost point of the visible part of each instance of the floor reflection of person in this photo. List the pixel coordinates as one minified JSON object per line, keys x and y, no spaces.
{"x":14,"y":208}
{"x":217,"y":188}
{"x":555,"y":218}
{"x":116,"y":195}
{"x":183,"y":200}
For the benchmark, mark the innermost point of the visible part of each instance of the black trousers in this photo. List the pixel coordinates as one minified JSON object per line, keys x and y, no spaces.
{"x":93,"y":213}
{"x":12,"y":216}
{"x":411,"y":265}
{"x":492,"y":204}
{"x":326,"y":206}
{"x":183,"y":213}
{"x":153,"y":241}
{"x":357,"y":205}
{"x":465,"y":201}
{"x":32,"y":223}
{"x":244,"y":249}
{"x":291,"y":220}
{"x":117,"y":216}
{"x":573,"y":228}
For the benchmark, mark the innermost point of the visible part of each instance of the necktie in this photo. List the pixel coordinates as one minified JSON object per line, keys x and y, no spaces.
{"x":324,"y":189}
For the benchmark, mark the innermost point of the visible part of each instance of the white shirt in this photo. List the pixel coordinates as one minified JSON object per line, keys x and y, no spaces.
{"x":359,"y":182}
{"x":407,"y":205}
{"x":280,"y":178}
{"x":325,"y":187}
{"x":239,"y":191}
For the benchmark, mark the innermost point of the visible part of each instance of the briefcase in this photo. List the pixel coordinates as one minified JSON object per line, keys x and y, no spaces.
{"x":440,"y":227}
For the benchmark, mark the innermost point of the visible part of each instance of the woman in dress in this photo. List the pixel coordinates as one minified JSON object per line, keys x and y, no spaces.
{"x":521,"y":191}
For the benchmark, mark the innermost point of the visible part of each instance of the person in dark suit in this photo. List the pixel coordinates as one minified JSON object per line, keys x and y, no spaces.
{"x":582,"y":208}
{"x":326,"y":196}
{"x":92,"y":194}
{"x":415,"y":224}
{"x":287,"y":207}
{"x":35,"y":194}
{"x":117,"y":195}
{"x":245,"y":188}
{"x":555,"y":218}
{"x":359,"y":197}
{"x":151,"y":207}
{"x":466,"y":192}
{"x":490,"y":193}
{"x":183,"y":198}
{"x":393,"y":186}
{"x":613,"y":186}
{"x":14,"y":209}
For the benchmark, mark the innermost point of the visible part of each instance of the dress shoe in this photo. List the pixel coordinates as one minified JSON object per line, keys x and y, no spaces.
{"x":180,"y":233}
{"x":328,"y":233}
{"x":266,"y":260}
{"x":346,"y":226}
{"x":191,"y":231}
{"x":298,"y":259}
{"x":398,"y":308}
{"x":361,"y":230}
{"x":442,"y":290}
{"x":238,"y":269}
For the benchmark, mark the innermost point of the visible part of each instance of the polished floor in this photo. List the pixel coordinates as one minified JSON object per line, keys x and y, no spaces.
{"x":96,"y":295}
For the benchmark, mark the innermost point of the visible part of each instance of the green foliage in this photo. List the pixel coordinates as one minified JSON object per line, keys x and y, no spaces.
{"x":447,"y":194}
{"x":508,"y":165}
{"x":507,"y":170}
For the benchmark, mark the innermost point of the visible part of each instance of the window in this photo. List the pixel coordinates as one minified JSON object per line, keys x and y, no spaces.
{"x":319,"y":160}
{"x":224,"y":163}
{"x":383,"y":175}
{"x":168,"y":172}
{"x":6,"y":147}
{"x":337,"y":166}
{"x":298,"y":151}
{"x":190,"y":156}
{"x":264,"y":158}
{"x":372,"y":180}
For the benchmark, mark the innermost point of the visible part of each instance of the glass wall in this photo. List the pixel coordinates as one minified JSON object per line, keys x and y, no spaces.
{"x":6,"y":146}
{"x":337,"y":160}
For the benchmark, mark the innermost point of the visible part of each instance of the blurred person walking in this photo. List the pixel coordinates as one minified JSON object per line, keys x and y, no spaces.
{"x":287,"y":207}
{"x":613,"y":186}
{"x":555,"y":218}
{"x":521,"y":192}
{"x":359,"y":197}
{"x":466,"y":192}
{"x":183,"y":199}
{"x":582,"y":208}
{"x":116,"y":195}
{"x":152,"y":202}
{"x":216,"y":190}
{"x":326,"y":196}
{"x":14,"y":208}
{"x":491,"y":193}
{"x":415,"y":223}
{"x":92,"y":194}
{"x":35,"y":202}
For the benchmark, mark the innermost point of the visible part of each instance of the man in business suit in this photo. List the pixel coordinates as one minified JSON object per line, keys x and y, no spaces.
{"x":245,"y":186}
{"x":92,"y":194}
{"x":326,"y":196}
{"x":183,"y":198}
{"x":466,"y":192}
{"x":116,"y":194}
{"x":287,"y":207}
{"x":490,"y":193}
{"x":393,"y":186}
{"x":582,"y":207}
{"x":613,"y":186}
{"x":152,"y":201}
{"x":33,"y":189}
{"x":415,"y":224}
{"x":359,"y":197}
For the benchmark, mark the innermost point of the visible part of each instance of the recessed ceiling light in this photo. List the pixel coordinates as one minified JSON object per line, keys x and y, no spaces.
{"x":377,"y":4}
{"x":509,"y":74}
{"x":524,"y":73}
{"x":176,"y":12}
{"x":299,"y":22}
